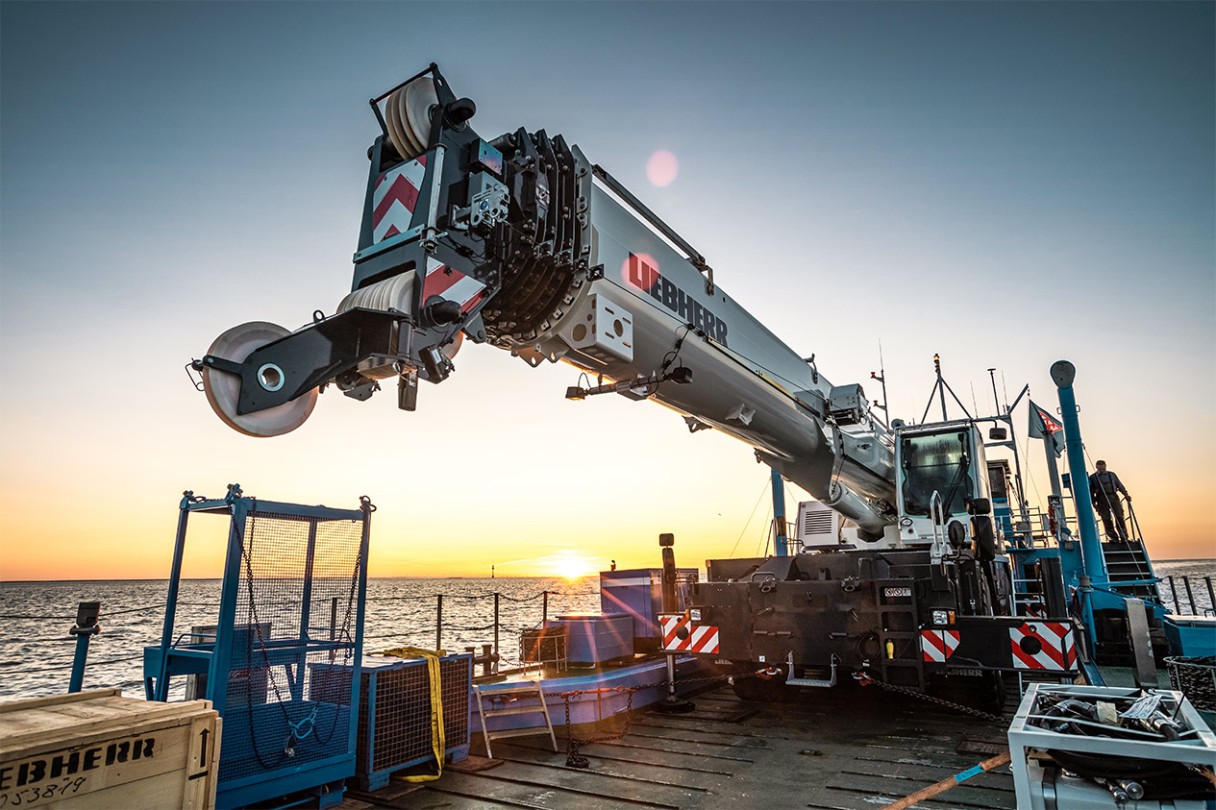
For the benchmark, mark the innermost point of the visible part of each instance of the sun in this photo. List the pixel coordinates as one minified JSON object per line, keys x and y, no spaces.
{"x":571,"y":567}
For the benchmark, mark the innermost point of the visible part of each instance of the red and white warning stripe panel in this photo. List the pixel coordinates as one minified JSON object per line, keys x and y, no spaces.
{"x":938,"y":645}
{"x":681,"y":634}
{"x":394,"y":198}
{"x":1044,"y":646}
{"x":450,"y":284}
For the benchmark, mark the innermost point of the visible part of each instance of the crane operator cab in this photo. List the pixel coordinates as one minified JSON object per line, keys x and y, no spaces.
{"x":945,"y":503}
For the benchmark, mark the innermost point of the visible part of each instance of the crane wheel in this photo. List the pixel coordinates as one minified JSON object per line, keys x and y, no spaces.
{"x":223,"y":389}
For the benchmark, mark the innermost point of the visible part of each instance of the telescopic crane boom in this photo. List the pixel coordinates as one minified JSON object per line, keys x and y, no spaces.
{"x":521,"y":243}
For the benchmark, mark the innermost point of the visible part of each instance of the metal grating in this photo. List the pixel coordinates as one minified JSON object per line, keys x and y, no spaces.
{"x":298,"y":586}
{"x":543,"y":645}
{"x":1195,"y":678}
{"x":399,"y":732}
{"x":817,"y":522}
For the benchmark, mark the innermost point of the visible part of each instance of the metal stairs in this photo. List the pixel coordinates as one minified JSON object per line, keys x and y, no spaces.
{"x":1127,"y":563}
{"x":504,"y":698}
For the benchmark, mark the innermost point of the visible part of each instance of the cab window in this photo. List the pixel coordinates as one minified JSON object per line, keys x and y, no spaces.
{"x":936,"y":463}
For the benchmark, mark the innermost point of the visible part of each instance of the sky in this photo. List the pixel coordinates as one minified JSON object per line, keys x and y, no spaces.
{"x":1006,"y":184}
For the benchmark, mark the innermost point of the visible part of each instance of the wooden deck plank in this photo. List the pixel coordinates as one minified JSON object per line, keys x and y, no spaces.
{"x":742,"y":733}
{"x":499,"y":786}
{"x":850,"y":750}
{"x":687,"y":749}
{"x":929,"y":774}
{"x":833,"y":799}
{"x":965,"y":795}
{"x":623,"y":767}
{"x":699,"y":737}
{"x":650,"y":760}
{"x":610,"y":779}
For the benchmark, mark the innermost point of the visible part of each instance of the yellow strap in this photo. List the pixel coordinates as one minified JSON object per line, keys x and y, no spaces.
{"x":438,"y":736}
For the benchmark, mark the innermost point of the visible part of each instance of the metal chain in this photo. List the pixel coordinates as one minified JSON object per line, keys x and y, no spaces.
{"x":573,"y":758}
{"x":576,"y":760}
{"x":865,"y":680}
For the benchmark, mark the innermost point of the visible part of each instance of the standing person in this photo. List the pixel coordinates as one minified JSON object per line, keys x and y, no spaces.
{"x":1104,"y":488}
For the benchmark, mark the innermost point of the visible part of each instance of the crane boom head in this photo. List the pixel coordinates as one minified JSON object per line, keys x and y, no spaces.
{"x":520,"y":242}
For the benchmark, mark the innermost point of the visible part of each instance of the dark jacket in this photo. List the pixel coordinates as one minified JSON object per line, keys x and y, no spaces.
{"x":1105,"y":484}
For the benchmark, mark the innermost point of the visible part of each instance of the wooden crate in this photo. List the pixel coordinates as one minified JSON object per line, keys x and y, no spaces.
{"x":100,"y":750}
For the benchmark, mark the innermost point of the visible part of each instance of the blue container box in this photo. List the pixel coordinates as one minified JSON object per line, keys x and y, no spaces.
{"x":592,"y":638}
{"x":638,"y":592}
{"x":1191,"y":636}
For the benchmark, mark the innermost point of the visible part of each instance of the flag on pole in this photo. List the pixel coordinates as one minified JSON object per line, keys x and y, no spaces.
{"x":1043,"y":424}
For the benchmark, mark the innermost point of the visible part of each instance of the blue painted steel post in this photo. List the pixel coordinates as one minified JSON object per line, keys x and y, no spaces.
{"x":1093,"y":564}
{"x":85,"y":628}
{"x":297,"y":686}
{"x":78,"y":661}
{"x":225,"y":630}
{"x":1063,"y":373}
{"x":780,"y":539}
{"x":367,"y":507}
{"x":175,"y":578}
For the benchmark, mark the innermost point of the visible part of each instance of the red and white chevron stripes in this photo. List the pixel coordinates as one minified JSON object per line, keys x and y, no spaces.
{"x":1043,"y":645}
{"x":700,"y":638}
{"x":938,"y":645}
{"x":394,"y":198}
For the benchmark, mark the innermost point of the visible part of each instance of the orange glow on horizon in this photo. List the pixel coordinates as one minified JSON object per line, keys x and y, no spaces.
{"x":573,"y":568}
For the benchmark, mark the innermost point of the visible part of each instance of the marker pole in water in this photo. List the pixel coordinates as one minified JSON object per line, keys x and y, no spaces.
{"x":85,"y":628}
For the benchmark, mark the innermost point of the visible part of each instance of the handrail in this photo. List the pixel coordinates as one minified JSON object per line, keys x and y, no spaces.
{"x":937,"y":517}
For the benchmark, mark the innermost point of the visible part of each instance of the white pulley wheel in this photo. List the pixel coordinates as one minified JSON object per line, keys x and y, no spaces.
{"x":224,"y":390}
{"x":415,"y":144}
{"x":390,"y":123}
{"x":420,"y":98}
{"x":407,"y":114}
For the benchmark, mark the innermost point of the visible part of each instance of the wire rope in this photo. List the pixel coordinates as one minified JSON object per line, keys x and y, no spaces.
{"x":749,"y":521}
{"x":765,"y":527}
{"x":70,"y":618}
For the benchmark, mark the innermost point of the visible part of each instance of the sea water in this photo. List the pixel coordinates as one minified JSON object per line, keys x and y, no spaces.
{"x":36,"y":649}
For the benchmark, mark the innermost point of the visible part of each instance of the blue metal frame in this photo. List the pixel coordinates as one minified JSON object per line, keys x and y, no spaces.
{"x":1091,"y":545}
{"x":169,"y":658}
{"x":1087,"y":570}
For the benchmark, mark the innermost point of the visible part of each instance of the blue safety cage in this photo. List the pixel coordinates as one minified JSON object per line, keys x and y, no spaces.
{"x":290,"y":612}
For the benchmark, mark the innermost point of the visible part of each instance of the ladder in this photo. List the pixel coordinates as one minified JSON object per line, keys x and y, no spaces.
{"x":512,"y":694}
{"x":899,"y":635}
{"x":1127,"y":563}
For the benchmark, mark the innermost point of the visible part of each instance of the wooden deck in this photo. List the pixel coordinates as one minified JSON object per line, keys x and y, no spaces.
{"x":847,"y":748}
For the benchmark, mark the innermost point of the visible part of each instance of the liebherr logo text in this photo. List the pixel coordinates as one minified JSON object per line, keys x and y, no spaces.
{"x":641,"y":273}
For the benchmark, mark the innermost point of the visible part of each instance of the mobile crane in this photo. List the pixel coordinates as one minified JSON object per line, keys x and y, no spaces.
{"x":521,"y":243}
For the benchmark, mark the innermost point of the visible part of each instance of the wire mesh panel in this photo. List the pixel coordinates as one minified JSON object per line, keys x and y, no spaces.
{"x":280,"y":662}
{"x":1195,"y":678}
{"x":296,"y":607}
{"x":397,"y":732}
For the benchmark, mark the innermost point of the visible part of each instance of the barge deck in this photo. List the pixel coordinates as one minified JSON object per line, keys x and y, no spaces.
{"x":863,"y":749}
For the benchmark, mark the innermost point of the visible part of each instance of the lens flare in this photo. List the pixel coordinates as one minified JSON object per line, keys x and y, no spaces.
{"x":640,"y":271}
{"x":662,"y":168}
{"x":571,"y":566}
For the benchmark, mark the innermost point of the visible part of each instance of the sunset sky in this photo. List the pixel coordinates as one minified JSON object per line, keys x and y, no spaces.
{"x":1006,"y":184}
